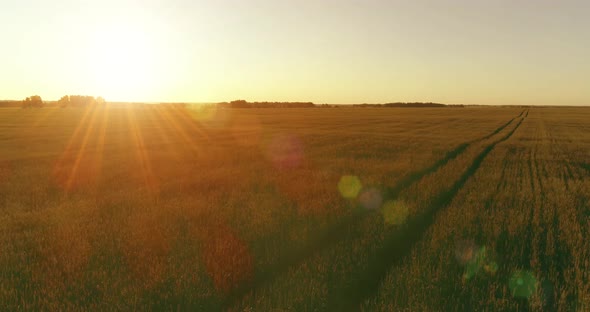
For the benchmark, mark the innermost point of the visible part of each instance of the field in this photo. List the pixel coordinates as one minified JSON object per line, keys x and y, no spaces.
{"x":164,"y":207}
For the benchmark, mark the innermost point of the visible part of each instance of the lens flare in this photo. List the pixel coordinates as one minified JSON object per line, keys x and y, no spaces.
{"x":476,"y":263}
{"x":349,"y":186}
{"x":395,"y":212}
{"x":522,"y":284}
{"x":285,"y":152}
{"x":208,"y":116}
{"x":465,"y":251}
{"x":371,"y":199}
{"x":474,"y":258}
{"x":491,"y":267}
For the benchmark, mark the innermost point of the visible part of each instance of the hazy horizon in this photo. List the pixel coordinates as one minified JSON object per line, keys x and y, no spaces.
{"x":344,"y":52}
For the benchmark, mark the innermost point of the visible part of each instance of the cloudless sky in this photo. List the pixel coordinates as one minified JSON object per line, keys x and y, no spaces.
{"x":340,"y":51}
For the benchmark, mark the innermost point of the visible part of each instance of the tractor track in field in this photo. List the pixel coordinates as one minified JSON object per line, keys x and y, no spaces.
{"x":396,"y":247}
{"x":526,"y":245}
{"x":333,"y":234}
{"x":560,"y":257}
{"x":584,"y":166}
{"x":410,"y":179}
{"x":500,"y":128}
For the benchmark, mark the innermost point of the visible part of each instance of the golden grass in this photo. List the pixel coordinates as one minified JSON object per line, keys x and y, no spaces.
{"x":167,"y":207}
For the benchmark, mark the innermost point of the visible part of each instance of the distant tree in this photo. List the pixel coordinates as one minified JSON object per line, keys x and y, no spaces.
{"x":27,"y":103}
{"x":100,"y":100}
{"x":245,"y":104}
{"x":64,"y":101}
{"x":33,"y":101}
{"x":79,"y":100}
{"x":36,"y":101}
{"x":239,"y":104}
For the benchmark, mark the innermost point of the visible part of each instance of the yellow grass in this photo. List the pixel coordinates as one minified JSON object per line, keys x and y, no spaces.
{"x":191,"y":208}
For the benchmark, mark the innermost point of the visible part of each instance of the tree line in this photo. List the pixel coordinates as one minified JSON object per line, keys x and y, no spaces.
{"x":407,"y":104}
{"x":32,"y":101}
{"x":246,"y":104}
{"x":79,"y":100}
{"x":35,"y":101}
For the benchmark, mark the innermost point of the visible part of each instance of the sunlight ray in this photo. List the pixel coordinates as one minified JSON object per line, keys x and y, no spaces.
{"x":141,"y":152}
{"x":171,"y":121}
{"x":163,"y":133}
{"x":76,"y":132}
{"x":81,"y":150}
{"x":183,"y":115}
{"x":101,"y":143}
{"x":65,"y":157}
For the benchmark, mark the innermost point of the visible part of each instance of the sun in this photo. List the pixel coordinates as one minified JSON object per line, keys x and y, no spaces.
{"x":124,"y":62}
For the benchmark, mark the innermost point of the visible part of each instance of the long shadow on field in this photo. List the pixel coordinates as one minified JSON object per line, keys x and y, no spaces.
{"x":585,"y":166}
{"x":334,"y":233}
{"x":366,"y":283}
{"x":500,"y":128}
{"x":414,"y":177}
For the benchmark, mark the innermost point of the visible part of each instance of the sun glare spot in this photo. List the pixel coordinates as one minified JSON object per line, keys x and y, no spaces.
{"x":371,"y":199}
{"x":523,"y":284}
{"x":349,"y":186}
{"x":124,"y":62}
{"x":476,"y":263}
{"x":210,"y":117}
{"x":474,"y":258}
{"x":491,"y":267}
{"x":395,"y":212}
{"x":285,"y":152}
{"x":465,"y":251}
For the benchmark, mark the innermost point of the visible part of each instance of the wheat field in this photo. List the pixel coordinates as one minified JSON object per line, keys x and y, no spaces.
{"x":195,"y":208}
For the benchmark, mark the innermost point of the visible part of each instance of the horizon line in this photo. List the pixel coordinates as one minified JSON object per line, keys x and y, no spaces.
{"x":338,"y":104}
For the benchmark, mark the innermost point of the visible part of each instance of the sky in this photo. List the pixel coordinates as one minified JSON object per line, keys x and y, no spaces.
{"x":522,"y":52}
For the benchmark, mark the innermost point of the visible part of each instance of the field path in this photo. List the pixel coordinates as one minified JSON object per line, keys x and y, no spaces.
{"x":333,"y":234}
{"x":396,"y":247}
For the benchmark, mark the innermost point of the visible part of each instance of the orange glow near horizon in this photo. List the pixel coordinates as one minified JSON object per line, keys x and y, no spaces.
{"x":80,"y":164}
{"x":345,"y":52}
